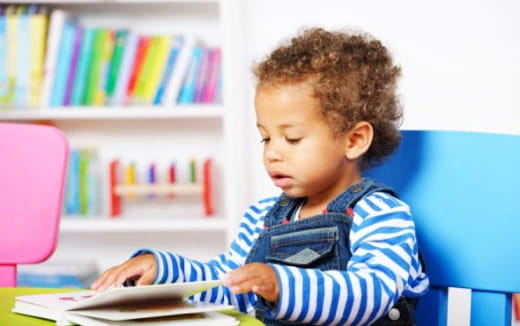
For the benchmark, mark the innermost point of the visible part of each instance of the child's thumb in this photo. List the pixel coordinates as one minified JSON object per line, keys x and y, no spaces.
{"x":146,"y":278}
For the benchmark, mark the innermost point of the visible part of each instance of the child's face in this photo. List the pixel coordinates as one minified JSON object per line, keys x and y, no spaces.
{"x":302,"y":154}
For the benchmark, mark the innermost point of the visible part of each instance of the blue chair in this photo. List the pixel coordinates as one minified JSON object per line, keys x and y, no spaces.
{"x":464,"y":192}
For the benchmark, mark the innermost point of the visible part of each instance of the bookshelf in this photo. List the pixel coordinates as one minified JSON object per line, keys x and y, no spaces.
{"x":100,"y":113}
{"x":146,"y":133}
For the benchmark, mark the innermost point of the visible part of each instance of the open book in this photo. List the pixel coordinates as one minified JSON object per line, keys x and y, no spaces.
{"x":163,"y":304}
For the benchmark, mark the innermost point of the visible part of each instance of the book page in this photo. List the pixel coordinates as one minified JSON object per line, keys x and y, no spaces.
{"x":118,"y":296}
{"x":149,"y":310}
{"x":197,"y":319}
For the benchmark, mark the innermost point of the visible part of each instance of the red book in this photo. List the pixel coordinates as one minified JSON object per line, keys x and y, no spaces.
{"x":142,"y":48}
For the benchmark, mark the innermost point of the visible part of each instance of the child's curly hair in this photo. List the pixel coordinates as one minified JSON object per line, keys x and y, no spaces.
{"x":353,"y":78}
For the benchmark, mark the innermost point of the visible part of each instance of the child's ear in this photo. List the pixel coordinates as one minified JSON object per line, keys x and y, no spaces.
{"x":358,"y":140}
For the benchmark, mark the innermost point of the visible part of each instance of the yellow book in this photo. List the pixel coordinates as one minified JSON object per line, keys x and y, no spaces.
{"x":108,"y":47}
{"x":12,"y":17}
{"x":143,"y":79}
{"x":164,"y":44}
{"x":37,"y":40}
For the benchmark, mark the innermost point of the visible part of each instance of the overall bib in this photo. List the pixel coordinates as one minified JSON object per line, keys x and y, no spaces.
{"x":318,"y":242}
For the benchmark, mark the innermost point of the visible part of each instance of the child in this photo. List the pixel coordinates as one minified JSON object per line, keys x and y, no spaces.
{"x":334,"y":248}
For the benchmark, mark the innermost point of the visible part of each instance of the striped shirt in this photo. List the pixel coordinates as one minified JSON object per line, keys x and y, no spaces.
{"x":384,"y":265}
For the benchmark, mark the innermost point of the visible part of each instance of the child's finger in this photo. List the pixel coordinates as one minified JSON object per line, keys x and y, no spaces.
{"x":147,"y":278}
{"x":267,"y":291}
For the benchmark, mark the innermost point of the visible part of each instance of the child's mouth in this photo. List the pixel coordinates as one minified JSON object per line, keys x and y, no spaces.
{"x":281,"y":181}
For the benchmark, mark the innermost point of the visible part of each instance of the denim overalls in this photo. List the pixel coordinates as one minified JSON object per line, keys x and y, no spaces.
{"x":320,"y":241}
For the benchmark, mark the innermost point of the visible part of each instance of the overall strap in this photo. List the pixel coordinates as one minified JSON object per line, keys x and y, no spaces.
{"x":283,"y":208}
{"x":348,"y":199}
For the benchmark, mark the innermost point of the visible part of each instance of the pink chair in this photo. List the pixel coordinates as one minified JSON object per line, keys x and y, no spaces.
{"x":33,"y":161}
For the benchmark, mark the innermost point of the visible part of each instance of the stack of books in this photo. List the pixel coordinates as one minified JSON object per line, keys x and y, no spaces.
{"x":164,"y":304}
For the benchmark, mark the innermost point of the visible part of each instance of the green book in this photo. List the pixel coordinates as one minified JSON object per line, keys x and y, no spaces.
{"x":115,"y":62}
{"x":83,"y":181}
{"x":94,"y":71}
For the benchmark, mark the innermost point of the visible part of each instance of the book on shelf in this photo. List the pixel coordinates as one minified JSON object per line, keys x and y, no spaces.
{"x":180,"y":70}
{"x":187,"y":91}
{"x":4,"y":81}
{"x":61,"y":72}
{"x":57,"y":22}
{"x":21,"y":87}
{"x":81,"y":189}
{"x":11,"y":14}
{"x":38,"y":37}
{"x":48,"y":59}
{"x":68,"y":273}
{"x":149,"y":305}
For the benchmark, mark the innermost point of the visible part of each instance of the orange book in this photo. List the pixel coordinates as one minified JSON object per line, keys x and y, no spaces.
{"x":142,"y":48}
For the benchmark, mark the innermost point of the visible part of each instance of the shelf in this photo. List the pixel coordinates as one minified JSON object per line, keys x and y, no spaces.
{"x":101,"y":113}
{"x":118,"y":225}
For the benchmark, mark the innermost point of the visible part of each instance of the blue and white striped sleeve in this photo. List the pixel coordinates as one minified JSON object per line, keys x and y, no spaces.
{"x":384,"y":265}
{"x":172,"y":267}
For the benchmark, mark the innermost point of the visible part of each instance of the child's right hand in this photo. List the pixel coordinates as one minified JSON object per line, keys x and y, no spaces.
{"x":141,"y":268}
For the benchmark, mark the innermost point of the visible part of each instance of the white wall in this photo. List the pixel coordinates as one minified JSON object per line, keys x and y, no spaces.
{"x":460,"y":65}
{"x":460,"y":59}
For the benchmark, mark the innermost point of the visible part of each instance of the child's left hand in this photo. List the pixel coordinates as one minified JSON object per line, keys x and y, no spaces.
{"x":256,"y":277}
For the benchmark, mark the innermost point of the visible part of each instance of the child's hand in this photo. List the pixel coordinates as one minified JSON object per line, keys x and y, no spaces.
{"x":141,"y":268}
{"x":256,"y":277}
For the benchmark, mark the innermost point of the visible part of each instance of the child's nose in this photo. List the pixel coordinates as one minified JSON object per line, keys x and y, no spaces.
{"x":272,"y":154}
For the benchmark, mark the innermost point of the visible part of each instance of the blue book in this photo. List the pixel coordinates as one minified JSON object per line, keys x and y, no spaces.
{"x":21,"y":88}
{"x":72,"y":187}
{"x":63,"y":64}
{"x":4,"y":81}
{"x":190,"y":83}
{"x":168,"y":70}
{"x":80,"y":80}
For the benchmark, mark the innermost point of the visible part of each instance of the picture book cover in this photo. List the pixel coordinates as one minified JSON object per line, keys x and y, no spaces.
{"x":119,"y":304}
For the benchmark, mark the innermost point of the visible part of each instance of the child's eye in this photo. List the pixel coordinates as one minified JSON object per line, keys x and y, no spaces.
{"x":292,"y":140}
{"x":264,"y":140}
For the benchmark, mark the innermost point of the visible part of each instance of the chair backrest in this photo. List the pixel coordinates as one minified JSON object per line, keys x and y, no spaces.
{"x":33,"y":162}
{"x":464,"y":192}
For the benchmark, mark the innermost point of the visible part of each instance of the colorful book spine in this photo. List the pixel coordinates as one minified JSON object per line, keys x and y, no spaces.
{"x":202,"y":76}
{"x":4,"y":81}
{"x":56,"y":26}
{"x":115,"y":63}
{"x":38,"y":38}
{"x":142,"y":48}
{"x":94,"y":69}
{"x":143,"y":77}
{"x":73,"y":67}
{"x":123,"y":76}
{"x":208,"y":95}
{"x":21,"y":88}
{"x":72,"y":186}
{"x":179,"y":72}
{"x":63,"y":64}
{"x":92,"y":185}
{"x":188,"y":87}
{"x":80,"y":79}
{"x":104,"y":65}
{"x":168,"y":69}
{"x":83,"y":182}
{"x":12,"y":41}
{"x":157,"y":67}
